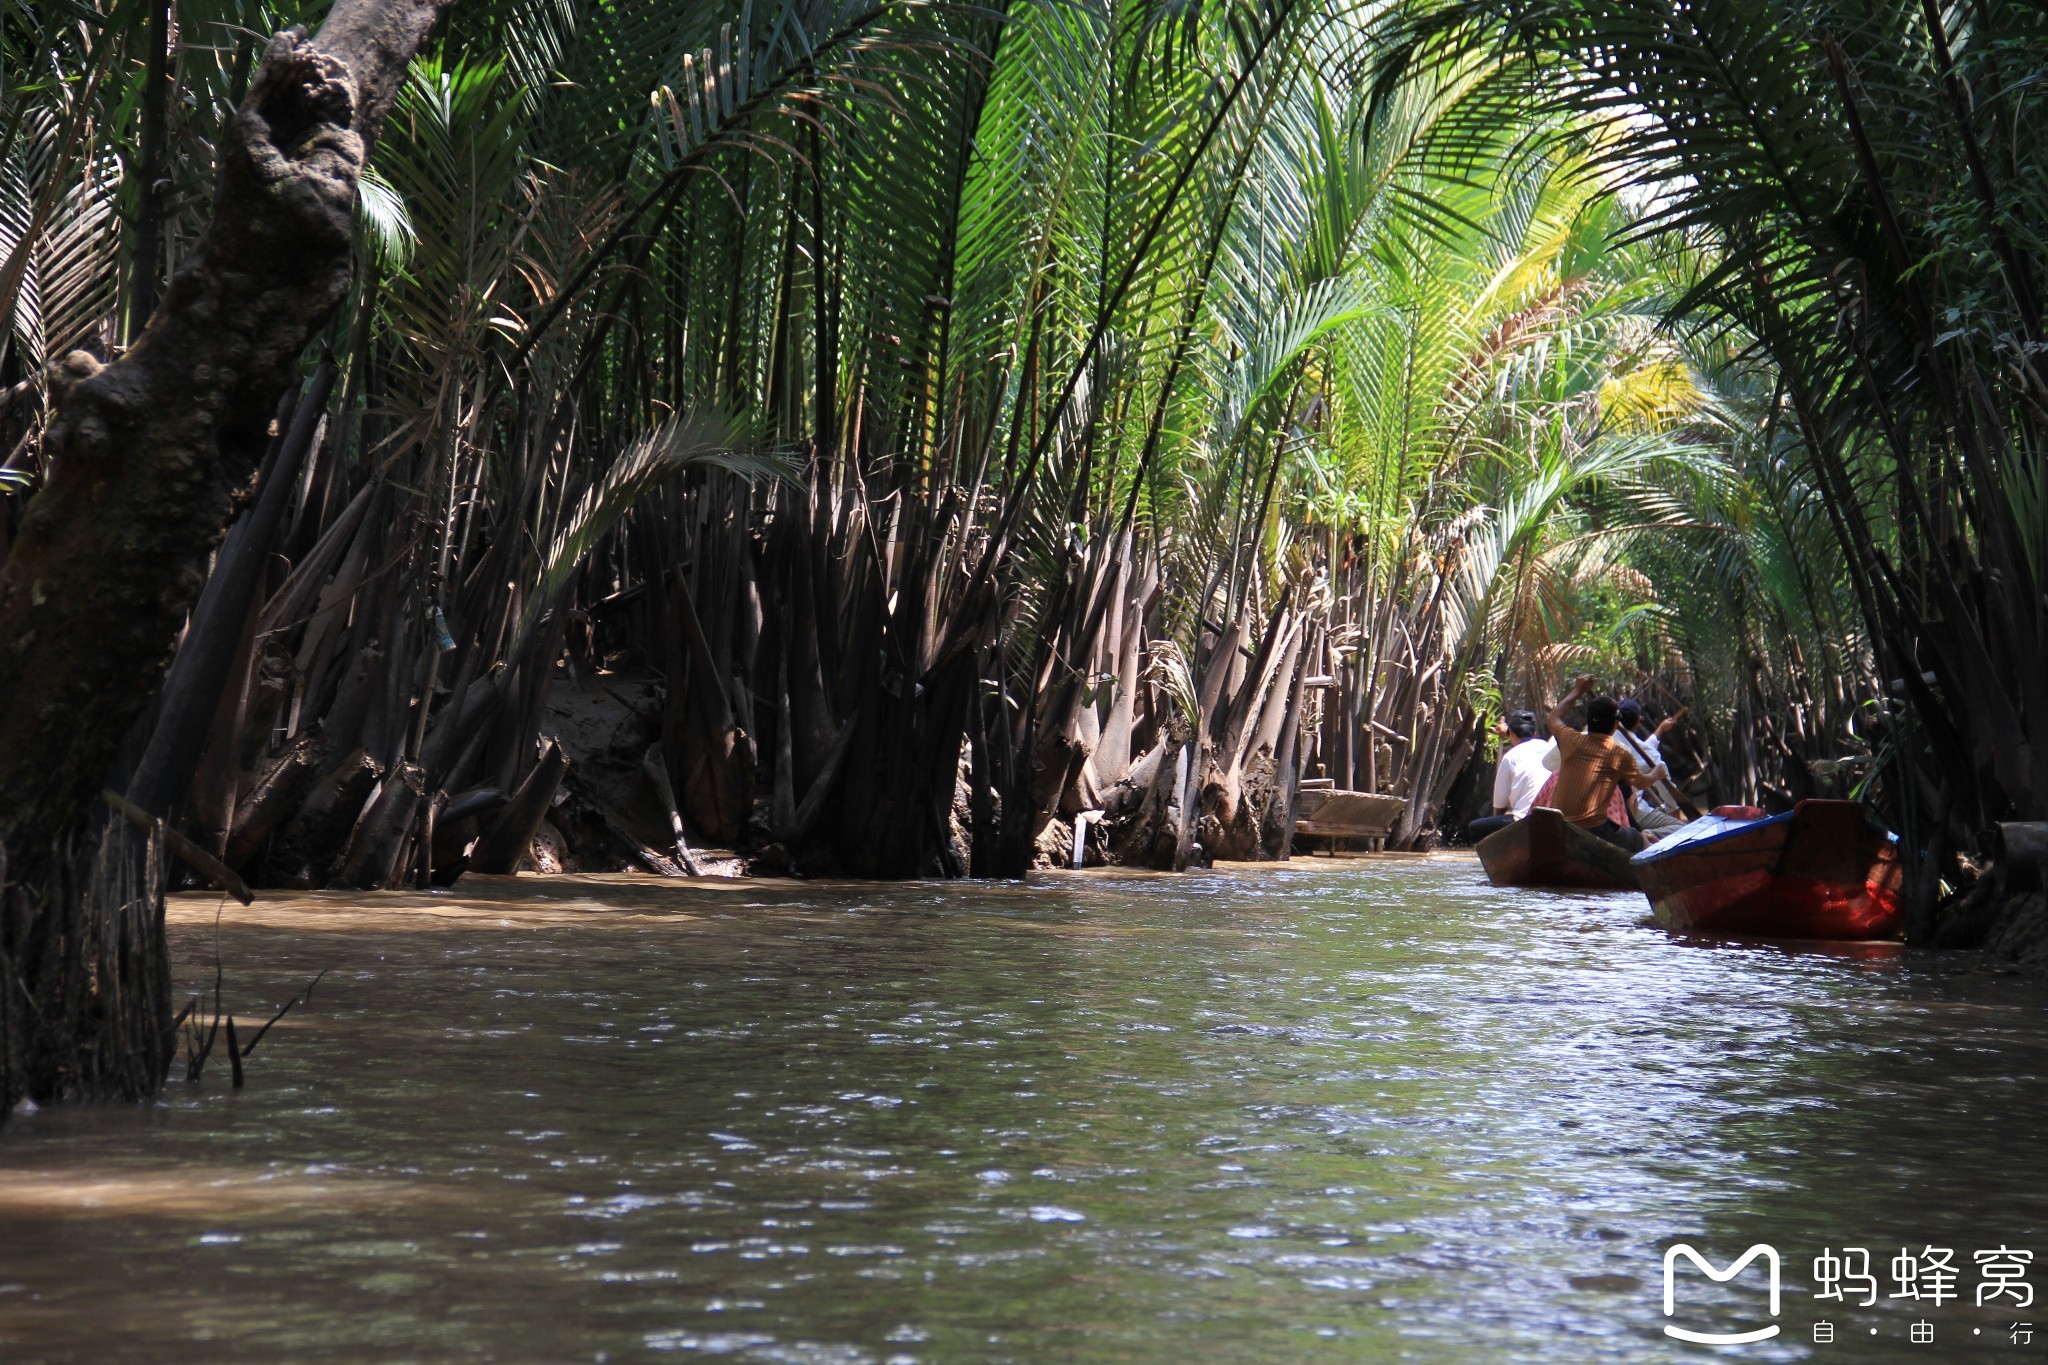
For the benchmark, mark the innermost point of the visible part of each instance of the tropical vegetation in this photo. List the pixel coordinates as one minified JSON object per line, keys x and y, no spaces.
{"x":958,"y":418}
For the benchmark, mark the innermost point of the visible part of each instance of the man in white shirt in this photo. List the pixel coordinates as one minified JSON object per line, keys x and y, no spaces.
{"x":1638,"y":727}
{"x":1517,"y":778}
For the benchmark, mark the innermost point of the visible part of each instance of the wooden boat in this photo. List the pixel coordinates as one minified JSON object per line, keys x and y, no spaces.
{"x":1545,"y":849}
{"x":1821,"y":871}
{"x":1338,"y":815}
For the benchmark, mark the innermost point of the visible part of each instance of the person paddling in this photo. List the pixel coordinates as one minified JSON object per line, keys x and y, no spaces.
{"x":1660,"y":810}
{"x":1635,"y":723}
{"x":1592,"y":765}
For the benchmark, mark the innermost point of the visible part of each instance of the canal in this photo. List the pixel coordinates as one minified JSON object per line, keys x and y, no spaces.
{"x":1328,"y":1111}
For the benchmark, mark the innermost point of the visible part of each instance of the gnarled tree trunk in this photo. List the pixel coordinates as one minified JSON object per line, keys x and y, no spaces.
{"x":147,"y":458}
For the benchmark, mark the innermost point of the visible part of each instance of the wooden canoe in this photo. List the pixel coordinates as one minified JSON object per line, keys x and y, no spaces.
{"x":1545,"y":849}
{"x":1821,"y":871}
{"x":1347,"y":815}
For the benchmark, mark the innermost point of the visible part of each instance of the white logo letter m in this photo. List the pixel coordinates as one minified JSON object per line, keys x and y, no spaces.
{"x":1719,"y":1277}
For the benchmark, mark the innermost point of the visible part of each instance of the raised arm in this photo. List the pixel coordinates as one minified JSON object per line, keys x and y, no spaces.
{"x":1556,"y":718}
{"x":1670,"y":722}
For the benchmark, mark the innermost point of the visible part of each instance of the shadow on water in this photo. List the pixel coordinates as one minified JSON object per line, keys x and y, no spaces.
{"x":1351,"y":1111}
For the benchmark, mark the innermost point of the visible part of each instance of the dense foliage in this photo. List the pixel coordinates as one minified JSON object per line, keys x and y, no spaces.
{"x":952,"y":408}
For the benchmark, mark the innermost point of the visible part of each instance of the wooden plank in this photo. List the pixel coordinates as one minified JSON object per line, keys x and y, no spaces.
{"x":1344,"y":831}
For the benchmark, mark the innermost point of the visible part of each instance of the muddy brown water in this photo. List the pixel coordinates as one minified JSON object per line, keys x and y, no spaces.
{"x":1351,"y":1111}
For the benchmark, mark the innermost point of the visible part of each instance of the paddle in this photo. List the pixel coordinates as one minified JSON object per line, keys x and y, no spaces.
{"x":1667,"y":797}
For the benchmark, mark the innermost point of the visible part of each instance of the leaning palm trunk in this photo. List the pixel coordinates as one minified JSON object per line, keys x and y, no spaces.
{"x":146,"y":458}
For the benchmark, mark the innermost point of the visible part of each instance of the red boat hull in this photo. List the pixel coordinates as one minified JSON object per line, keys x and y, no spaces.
{"x":1822,"y":872}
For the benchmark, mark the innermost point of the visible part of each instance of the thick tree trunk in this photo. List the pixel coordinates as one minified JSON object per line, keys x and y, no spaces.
{"x":146,"y":459}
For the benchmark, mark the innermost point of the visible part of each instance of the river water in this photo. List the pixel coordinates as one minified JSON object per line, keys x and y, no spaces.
{"x":1332,"y":1111}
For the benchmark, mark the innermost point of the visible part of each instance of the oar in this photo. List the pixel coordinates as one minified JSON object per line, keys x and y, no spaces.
{"x":1667,"y":797}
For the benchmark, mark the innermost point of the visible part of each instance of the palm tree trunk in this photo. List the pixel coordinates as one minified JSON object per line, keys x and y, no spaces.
{"x":147,"y":459}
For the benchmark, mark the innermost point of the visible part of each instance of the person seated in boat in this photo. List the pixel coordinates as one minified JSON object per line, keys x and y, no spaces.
{"x":1635,"y":724}
{"x":1592,"y":765}
{"x":1645,"y":744}
{"x":1517,"y":778}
